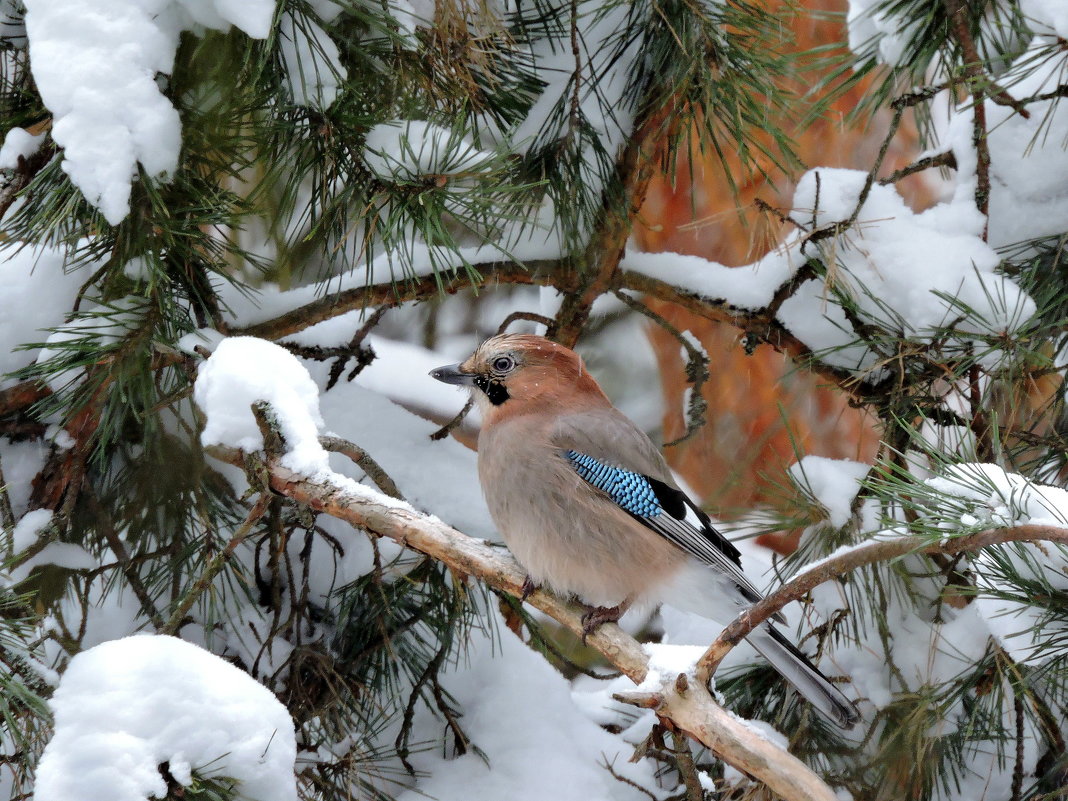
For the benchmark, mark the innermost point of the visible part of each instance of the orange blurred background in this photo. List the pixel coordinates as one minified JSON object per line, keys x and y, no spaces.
{"x":761,"y":410}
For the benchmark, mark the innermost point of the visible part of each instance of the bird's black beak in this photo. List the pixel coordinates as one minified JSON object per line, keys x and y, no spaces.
{"x":450,"y":374}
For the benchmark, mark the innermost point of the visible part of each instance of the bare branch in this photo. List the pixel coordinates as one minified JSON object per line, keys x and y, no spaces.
{"x":946,"y":159}
{"x":696,"y":369}
{"x":365,"y":462}
{"x":396,"y":293}
{"x":880,"y":551}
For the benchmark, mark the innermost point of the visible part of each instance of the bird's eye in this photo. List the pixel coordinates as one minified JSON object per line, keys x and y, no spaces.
{"x":502,"y":364}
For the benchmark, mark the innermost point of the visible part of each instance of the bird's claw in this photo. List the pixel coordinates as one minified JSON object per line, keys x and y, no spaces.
{"x":598,"y":615}
{"x":528,"y":587}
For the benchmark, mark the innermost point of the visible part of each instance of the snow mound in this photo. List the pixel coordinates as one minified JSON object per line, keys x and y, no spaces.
{"x":243,"y":370}
{"x":126,"y":706}
{"x":109,"y":112}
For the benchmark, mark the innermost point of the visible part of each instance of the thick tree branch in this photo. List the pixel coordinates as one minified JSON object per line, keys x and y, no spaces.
{"x":760,"y":326}
{"x":685,"y":704}
{"x":688,"y":706}
{"x":21,"y":396}
{"x":836,"y":566}
{"x":601,"y":260}
{"x":397,"y":293}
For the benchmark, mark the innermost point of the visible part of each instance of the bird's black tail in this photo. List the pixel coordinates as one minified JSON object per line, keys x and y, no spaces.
{"x":795,"y":667}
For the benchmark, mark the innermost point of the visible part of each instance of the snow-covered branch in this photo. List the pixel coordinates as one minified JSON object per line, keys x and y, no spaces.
{"x":682,"y":702}
{"x":868,"y":553}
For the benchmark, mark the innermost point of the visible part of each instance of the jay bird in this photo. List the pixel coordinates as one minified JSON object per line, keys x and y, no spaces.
{"x":588,"y":506}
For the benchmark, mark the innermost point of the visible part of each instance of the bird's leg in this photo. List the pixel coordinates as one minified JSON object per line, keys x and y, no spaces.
{"x":597,"y":615}
{"x":528,"y":587}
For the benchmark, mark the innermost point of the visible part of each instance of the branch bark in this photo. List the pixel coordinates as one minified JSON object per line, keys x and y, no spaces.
{"x":760,"y":326}
{"x":685,"y":704}
{"x":834,"y":567}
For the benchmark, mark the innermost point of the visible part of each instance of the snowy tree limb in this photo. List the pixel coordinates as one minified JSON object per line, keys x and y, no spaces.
{"x":760,"y":326}
{"x":837,"y":566}
{"x":684,"y":704}
{"x":689,"y":706}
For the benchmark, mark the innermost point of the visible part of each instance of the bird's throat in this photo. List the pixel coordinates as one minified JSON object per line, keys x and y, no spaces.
{"x":495,"y":390}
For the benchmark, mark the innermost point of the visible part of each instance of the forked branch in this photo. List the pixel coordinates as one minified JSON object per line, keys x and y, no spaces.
{"x":685,"y":704}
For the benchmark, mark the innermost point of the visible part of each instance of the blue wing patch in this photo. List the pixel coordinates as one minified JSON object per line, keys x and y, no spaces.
{"x":632,"y":492}
{"x":667,"y":511}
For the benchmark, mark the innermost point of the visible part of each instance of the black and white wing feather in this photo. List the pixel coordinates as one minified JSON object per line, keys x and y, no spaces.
{"x":667,"y":511}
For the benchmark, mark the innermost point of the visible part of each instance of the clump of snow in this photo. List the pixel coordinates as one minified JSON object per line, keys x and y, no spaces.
{"x":126,"y":706}
{"x":109,"y":114}
{"x":18,"y":143}
{"x":978,"y":496}
{"x":413,"y":14}
{"x":832,"y":483}
{"x":29,"y":528}
{"x":405,"y":150}
{"x":28,"y":531}
{"x":243,"y":370}
{"x":1049,"y":14}
{"x":668,"y":661}
{"x":208,"y":338}
{"x":871,"y":24}
{"x":1028,"y":159}
{"x":748,"y":287}
{"x":37,"y":295}
{"x":21,"y":461}
{"x":987,"y":495}
{"x":897,"y":265}
{"x":137,"y":269}
{"x":312,"y":61}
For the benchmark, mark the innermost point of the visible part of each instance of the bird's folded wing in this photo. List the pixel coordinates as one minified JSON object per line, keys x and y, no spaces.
{"x":665,"y":510}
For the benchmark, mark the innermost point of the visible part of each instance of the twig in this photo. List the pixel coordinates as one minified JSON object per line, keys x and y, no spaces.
{"x":957,"y":10}
{"x":126,"y":565}
{"x":696,"y":369}
{"x":430,"y":674}
{"x":216,"y":565}
{"x":544,"y":642}
{"x":1018,"y":768}
{"x":574,"y":119}
{"x":831,"y":568}
{"x":364,"y":356}
{"x":443,"y":432}
{"x":7,"y":514}
{"x":687,"y":768}
{"x":365,"y":462}
{"x":548,"y":322}
{"x":946,"y":159}
{"x":610,"y":767}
